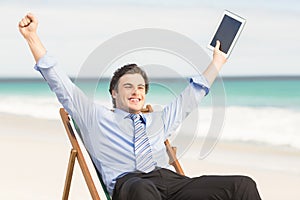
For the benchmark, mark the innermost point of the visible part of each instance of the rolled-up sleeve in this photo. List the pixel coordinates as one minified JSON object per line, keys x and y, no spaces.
{"x":200,"y":82}
{"x":46,"y":61}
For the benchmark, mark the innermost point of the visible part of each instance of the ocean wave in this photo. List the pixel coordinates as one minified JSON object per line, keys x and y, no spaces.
{"x":268,"y":125}
{"x":39,"y":107}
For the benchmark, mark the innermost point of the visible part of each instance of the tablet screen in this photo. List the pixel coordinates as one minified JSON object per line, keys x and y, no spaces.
{"x":226,"y":33}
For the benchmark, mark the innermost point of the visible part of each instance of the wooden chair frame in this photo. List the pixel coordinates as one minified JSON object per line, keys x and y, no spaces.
{"x":76,"y":153}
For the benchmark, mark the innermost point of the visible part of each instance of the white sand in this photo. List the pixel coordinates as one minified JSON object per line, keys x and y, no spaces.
{"x":34,"y":155}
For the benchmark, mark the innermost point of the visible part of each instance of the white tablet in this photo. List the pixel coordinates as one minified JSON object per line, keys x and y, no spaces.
{"x":227,"y":32}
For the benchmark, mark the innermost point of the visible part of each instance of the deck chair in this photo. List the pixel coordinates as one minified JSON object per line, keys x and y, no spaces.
{"x":77,"y":153}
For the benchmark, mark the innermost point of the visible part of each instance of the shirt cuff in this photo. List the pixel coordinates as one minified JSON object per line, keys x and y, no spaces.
{"x":44,"y":62}
{"x":201,"y":83}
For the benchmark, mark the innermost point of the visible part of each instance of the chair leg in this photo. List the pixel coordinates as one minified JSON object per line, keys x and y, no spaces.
{"x":69,"y":175}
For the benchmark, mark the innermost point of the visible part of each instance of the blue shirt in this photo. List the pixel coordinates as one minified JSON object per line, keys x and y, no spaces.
{"x":108,"y":135}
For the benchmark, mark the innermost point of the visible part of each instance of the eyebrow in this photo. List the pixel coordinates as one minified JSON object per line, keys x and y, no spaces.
{"x":130,"y":84}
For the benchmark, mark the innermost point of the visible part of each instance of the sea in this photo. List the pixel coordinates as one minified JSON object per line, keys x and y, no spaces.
{"x":264,"y":110}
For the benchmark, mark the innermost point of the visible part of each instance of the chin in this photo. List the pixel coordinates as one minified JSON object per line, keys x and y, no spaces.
{"x":135,"y":108}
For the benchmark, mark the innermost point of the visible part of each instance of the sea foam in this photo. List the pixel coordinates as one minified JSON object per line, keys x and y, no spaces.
{"x":269,"y":125}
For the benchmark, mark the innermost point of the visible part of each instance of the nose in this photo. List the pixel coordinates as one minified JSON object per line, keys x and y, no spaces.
{"x":135,"y":90}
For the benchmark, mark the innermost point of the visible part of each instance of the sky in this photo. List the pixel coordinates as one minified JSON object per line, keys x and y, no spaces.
{"x":72,"y":30}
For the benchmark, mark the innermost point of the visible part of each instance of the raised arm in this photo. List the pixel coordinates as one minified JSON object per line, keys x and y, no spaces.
{"x":77,"y":104}
{"x":215,"y":66}
{"x":28,"y":28}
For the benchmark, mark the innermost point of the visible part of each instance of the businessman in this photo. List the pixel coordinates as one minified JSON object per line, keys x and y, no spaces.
{"x":126,"y":145}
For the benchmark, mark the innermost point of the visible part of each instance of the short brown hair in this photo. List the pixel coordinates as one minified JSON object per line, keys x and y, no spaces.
{"x":126,"y":69}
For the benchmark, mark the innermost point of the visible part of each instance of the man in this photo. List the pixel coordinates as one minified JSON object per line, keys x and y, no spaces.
{"x":127,"y":146}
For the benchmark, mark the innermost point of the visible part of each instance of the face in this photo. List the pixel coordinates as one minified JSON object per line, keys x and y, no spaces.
{"x":130,"y":95}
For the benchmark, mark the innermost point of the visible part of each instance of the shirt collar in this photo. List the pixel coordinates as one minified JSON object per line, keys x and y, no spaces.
{"x":125,"y":114}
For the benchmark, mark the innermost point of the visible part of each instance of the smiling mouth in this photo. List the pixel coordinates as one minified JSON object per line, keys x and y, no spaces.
{"x":134,"y":100}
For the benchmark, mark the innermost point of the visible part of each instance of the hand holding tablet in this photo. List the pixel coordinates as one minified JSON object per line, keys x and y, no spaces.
{"x":227,"y":32}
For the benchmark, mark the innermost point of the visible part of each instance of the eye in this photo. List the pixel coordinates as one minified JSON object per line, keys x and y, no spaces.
{"x":128,"y":86}
{"x":141,"y":87}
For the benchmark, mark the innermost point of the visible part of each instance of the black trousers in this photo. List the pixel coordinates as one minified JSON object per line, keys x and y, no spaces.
{"x":162,"y":184}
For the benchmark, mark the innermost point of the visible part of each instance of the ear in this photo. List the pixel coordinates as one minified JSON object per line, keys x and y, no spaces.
{"x":114,"y":93}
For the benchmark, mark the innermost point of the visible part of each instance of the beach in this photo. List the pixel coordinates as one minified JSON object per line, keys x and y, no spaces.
{"x":35,"y":153}
{"x":248,"y":123}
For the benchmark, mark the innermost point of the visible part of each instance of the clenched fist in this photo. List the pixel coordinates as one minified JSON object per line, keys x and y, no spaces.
{"x":28,"y":25}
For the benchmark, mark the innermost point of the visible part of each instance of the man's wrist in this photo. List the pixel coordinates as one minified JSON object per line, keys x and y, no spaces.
{"x":32,"y":38}
{"x":36,"y":46}
{"x":217,"y":65}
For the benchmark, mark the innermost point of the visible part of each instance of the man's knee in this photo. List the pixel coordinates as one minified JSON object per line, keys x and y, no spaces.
{"x":248,"y":181}
{"x":138,"y":188}
{"x":248,"y":188}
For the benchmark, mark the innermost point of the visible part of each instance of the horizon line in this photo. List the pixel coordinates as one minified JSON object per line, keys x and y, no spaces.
{"x":228,"y":77}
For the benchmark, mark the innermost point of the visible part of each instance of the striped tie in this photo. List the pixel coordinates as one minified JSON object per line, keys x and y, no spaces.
{"x":142,"y":148}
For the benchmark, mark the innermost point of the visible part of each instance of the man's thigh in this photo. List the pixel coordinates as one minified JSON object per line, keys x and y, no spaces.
{"x":215,"y":188}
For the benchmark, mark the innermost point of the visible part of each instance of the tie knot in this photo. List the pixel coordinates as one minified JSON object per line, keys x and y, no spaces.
{"x":134,"y":117}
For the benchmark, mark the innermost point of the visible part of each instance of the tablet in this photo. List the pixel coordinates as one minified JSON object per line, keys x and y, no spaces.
{"x":227,"y":32}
